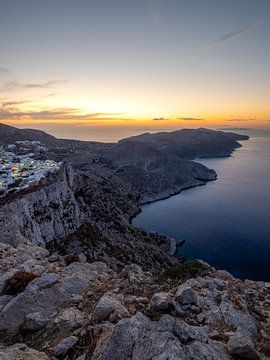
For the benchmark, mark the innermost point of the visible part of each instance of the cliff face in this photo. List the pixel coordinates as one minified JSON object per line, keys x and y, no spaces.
{"x":98,"y":288}
{"x":88,"y":212}
{"x":40,"y":216}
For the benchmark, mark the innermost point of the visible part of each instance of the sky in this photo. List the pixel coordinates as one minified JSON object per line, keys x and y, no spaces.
{"x":105,"y":69}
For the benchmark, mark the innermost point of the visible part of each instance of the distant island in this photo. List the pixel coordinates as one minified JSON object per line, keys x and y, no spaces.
{"x":78,"y":281}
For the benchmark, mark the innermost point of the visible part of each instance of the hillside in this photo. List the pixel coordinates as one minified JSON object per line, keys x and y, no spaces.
{"x":79,"y":282}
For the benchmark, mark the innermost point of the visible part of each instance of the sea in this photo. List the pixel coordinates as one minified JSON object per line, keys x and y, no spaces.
{"x":227,"y":221}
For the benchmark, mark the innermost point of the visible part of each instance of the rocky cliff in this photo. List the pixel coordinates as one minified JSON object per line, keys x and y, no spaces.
{"x":78,"y":281}
{"x":44,"y":213}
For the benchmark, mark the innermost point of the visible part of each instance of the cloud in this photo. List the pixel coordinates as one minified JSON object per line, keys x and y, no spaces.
{"x":14,"y":103}
{"x":50,"y":95}
{"x":160,"y":119}
{"x":241,"y":120}
{"x":12,"y":85}
{"x":234,"y":128}
{"x":225,"y":39}
{"x":190,"y":119}
{"x":4,"y":70}
{"x":8,"y":111}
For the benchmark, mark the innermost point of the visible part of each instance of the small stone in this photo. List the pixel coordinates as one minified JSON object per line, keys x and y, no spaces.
{"x":80,"y":306}
{"x":160,"y":301}
{"x":106,"y":306}
{"x":34,"y":321}
{"x":53,"y":258}
{"x":214,"y":335}
{"x":76,"y":299}
{"x":82,"y":258}
{"x":65,"y":346}
{"x":242,"y":347}
{"x":200,"y":317}
{"x":185,"y":295}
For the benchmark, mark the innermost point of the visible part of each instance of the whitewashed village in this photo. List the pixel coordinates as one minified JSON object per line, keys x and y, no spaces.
{"x":19,"y":167}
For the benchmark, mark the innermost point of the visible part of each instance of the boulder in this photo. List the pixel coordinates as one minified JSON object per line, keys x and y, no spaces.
{"x":140,"y":338}
{"x":160,"y":301}
{"x":65,"y":346}
{"x":35,"y":321}
{"x":47,"y":293}
{"x":21,"y":352}
{"x":241,"y":347}
{"x":185,"y":295}
{"x":106,"y":306}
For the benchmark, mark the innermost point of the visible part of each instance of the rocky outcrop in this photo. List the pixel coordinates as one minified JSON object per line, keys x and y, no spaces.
{"x":93,"y":311}
{"x":44,"y":214}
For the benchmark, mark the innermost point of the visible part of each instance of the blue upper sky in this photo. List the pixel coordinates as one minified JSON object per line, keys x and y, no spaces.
{"x":138,"y":58}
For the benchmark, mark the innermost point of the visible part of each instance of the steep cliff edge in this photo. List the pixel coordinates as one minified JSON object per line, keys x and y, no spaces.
{"x":44,"y":213}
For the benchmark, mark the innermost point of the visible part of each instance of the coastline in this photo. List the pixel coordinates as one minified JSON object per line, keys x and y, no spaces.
{"x":171,"y":193}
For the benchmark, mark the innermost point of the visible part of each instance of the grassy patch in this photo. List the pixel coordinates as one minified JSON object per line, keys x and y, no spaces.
{"x":181,"y":273}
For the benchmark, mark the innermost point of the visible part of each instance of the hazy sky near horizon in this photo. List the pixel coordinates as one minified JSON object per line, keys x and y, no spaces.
{"x":99,"y":68}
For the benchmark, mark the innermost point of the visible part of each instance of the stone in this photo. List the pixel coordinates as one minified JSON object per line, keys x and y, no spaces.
{"x":65,"y":346}
{"x":106,"y":306}
{"x":160,"y":301}
{"x":53,"y":258}
{"x":139,"y":338}
{"x":21,"y":352}
{"x":4,"y":300}
{"x":81,"y":357}
{"x":82,"y":257}
{"x":242,"y":347}
{"x":35,"y":321}
{"x":185,"y":295}
{"x":47,"y":292}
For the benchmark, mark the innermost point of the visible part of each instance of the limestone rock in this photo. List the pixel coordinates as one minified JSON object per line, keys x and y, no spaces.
{"x":35,"y":321}
{"x":22,"y":352}
{"x":65,"y":346}
{"x":185,"y":295}
{"x":242,"y":347}
{"x":160,"y":301}
{"x":106,"y":306}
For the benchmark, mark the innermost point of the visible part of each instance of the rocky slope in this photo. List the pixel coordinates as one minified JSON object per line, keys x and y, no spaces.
{"x":62,"y":307}
{"x":159,"y":165}
{"x":78,"y":281}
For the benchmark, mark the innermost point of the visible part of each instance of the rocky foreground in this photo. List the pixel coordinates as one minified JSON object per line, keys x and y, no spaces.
{"x":78,"y":281}
{"x":64,"y":307}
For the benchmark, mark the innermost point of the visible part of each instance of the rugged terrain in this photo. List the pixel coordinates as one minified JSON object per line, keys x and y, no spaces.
{"x":78,"y":281}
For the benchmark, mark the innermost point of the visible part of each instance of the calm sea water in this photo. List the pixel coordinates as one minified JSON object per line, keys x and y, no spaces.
{"x":227,"y":221}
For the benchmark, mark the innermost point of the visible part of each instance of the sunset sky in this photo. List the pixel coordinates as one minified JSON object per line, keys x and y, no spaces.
{"x":104,"y":69}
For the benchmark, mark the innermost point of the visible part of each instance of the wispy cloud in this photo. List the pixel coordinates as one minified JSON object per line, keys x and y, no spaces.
{"x":4,"y":70}
{"x":14,"y":103}
{"x":225,"y":39}
{"x":160,"y":119}
{"x":190,"y":119}
{"x":50,"y":95}
{"x":241,"y":120}
{"x":13,"y":85}
{"x":233,"y":128}
{"x":9,"y":110}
